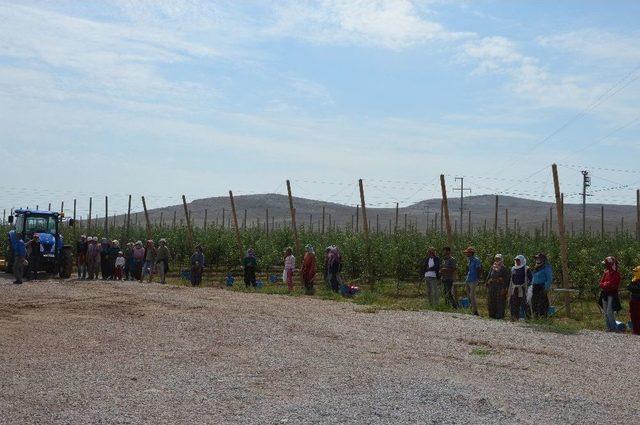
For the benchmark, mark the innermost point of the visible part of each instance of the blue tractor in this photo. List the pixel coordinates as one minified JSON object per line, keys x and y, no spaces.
{"x":55,"y":257}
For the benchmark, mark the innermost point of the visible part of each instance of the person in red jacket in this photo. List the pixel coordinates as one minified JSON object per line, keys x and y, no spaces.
{"x":609,"y":299}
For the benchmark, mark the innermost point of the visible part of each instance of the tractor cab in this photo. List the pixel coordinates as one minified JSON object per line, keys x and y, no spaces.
{"x":28,"y":224}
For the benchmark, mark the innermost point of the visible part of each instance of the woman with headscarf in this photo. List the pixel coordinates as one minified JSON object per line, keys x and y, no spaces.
{"x":138,"y":260}
{"x":162,"y":260}
{"x":114,"y":250}
{"x":289,"y":267}
{"x":197,"y":265}
{"x":309,"y":269}
{"x":334,"y":266}
{"x":634,"y":301}
{"x":249,"y":265}
{"x":520,"y":277}
{"x":149,"y":265}
{"x":105,"y":246}
{"x":542,"y":278}
{"x":609,"y":299}
{"x":497,"y":284}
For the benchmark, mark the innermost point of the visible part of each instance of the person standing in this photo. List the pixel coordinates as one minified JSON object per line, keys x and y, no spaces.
{"x":520,"y":277}
{"x":289,"y":267}
{"x":81,"y":257}
{"x":309,"y":269}
{"x":447,"y":275}
{"x":609,"y":299}
{"x":334,"y":267}
{"x":149,"y":265}
{"x":541,"y":281}
{"x":138,"y":260}
{"x":105,"y":246}
{"x":634,"y":301}
{"x":114,"y":252}
{"x":431,"y":275}
{"x":19,"y":259}
{"x":33,"y":251}
{"x":162,"y":260}
{"x":249,"y":266}
{"x":497,"y":287}
{"x":197,"y":265}
{"x":93,"y":257}
{"x":473,"y":276}
{"x":128,"y":261}
{"x":119,"y":266}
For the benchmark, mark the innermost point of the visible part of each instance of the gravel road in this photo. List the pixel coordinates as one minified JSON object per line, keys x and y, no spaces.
{"x":75,"y":352}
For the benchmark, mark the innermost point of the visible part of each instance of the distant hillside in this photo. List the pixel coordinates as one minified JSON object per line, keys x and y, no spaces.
{"x":528,"y":213}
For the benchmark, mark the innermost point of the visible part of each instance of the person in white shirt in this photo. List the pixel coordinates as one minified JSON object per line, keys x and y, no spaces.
{"x":431,"y":274}
{"x":289,"y":267}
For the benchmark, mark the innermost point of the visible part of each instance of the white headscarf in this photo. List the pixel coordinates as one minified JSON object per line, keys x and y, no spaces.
{"x":523,"y":262}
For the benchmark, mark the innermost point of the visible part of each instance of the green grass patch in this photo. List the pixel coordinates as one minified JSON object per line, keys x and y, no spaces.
{"x":481,"y":352}
{"x":554,"y":326}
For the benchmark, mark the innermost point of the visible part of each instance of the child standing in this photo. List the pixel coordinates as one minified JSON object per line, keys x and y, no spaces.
{"x":609,"y":299}
{"x":634,"y":301}
{"x":120,"y":263}
{"x":289,"y":267}
{"x":250,"y":264}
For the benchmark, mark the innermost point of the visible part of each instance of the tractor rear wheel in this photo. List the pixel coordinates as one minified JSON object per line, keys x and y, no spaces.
{"x":66,"y":267}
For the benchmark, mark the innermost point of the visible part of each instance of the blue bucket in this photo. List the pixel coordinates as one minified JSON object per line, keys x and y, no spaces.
{"x":230,"y":280}
{"x":552,"y":310}
{"x":186,"y":275}
{"x":630,"y":324}
{"x":259,"y":284}
{"x":464,"y":302}
{"x":621,"y":326}
{"x":273,"y":278}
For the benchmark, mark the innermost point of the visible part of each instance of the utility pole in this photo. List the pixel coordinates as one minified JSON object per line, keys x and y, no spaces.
{"x":586,"y":182}
{"x":462,"y":190}
{"x":445,"y":208}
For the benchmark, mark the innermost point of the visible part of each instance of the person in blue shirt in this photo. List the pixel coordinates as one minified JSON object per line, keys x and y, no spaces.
{"x":540,"y":285}
{"x":473,"y":276}
{"x":20,"y":256}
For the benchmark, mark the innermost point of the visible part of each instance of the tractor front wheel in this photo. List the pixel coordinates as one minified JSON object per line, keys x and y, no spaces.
{"x":66,"y":267}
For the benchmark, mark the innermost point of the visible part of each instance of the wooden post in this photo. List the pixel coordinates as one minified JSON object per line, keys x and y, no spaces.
{"x":365,"y":228}
{"x":358,"y":218}
{"x":106,"y":216}
{"x":204,"y":224}
{"x":187,"y":216}
{"x":377,"y":223}
{"x":49,"y":207}
{"x":506,"y":220}
{"x":223,"y":211}
{"x":551,"y":220}
{"x":445,"y":209}
{"x":266,"y":223}
{"x":235,"y":224}
{"x":495,"y":218}
{"x":310,"y":222}
{"x":244,"y":220}
{"x":322,"y":230}
{"x":62,"y":207}
{"x":75,"y":227}
{"x":469,"y":220}
{"x":128,"y":217}
{"x":561,"y":233}
{"x":89,"y":219}
{"x":622,"y":225}
{"x":638,"y":214}
{"x":161,"y":219}
{"x":173,"y":223}
{"x":397,"y":217}
{"x":146,"y":219}
{"x":293,"y":221}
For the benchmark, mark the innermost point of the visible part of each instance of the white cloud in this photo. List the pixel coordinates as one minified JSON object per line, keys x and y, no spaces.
{"x":596,"y":45}
{"x":392,"y":24}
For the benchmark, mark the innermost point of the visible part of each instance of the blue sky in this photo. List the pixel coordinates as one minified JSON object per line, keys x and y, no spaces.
{"x":163,"y":98}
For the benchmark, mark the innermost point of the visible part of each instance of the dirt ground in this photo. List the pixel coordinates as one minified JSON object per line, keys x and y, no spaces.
{"x":76,"y":352}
